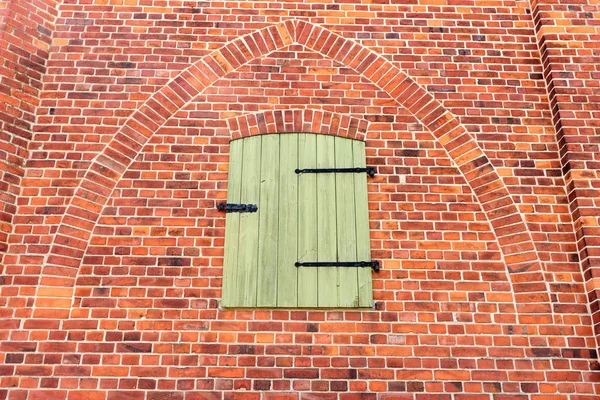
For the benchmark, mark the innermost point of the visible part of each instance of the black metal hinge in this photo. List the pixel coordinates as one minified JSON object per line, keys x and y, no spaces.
{"x":372,"y":264}
{"x":368,"y":170}
{"x":241,"y":208}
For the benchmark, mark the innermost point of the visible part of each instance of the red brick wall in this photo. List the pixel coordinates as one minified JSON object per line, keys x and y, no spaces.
{"x":25,"y":34}
{"x":569,"y":38}
{"x":115,"y":264}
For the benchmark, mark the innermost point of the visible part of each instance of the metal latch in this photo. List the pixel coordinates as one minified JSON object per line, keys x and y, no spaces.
{"x":241,"y":208}
{"x":372,"y":264}
{"x":368,"y":170}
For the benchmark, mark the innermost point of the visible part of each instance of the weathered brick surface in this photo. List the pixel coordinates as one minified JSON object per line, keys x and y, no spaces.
{"x":113,"y":274}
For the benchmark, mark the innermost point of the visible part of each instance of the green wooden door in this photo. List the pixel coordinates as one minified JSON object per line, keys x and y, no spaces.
{"x":301,"y":217}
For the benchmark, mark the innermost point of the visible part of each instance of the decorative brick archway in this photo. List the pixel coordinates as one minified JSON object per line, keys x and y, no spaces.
{"x":54,"y":295}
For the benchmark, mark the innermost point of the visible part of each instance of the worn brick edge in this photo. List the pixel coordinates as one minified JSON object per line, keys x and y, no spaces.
{"x":56,"y":285}
{"x":313,"y":121}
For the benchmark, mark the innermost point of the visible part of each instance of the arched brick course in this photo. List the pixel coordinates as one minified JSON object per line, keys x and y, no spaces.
{"x":315,"y":121}
{"x":58,"y":275}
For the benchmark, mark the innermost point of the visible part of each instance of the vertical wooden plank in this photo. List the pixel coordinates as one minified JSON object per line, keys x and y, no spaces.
{"x":268,"y":231}
{"x":307,"y":221}
{"x":309,"y":217}
{"x":287,"y":254}
{"x":326,"y":223}
{"x":245,"y":293}
{"x":346,"y":224}
{"x":363,"y":239}
{"x":232,"y":223}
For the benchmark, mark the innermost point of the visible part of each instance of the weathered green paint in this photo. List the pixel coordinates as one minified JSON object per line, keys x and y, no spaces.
{"x":307,"y":221}
{"x":287,"y":254}
{"x":268,"y":226}
{"x":248,"y":240}
{"x":346,"y":225}
{"x":326,"y":223}
{"x":363,"y":240}
{"x":232,"y":221}
{"x":307,"y":217}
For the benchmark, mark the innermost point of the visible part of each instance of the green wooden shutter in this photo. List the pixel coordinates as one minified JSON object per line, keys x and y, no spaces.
{"x":306,"y":217}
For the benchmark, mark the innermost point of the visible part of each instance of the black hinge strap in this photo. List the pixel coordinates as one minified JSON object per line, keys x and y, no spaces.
{"x":368,"y":170}
{"x":241,"y":208}
{"x":372,"y":264}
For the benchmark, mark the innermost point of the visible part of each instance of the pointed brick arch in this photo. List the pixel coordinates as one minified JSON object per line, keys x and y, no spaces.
{"x":55,"y":290}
